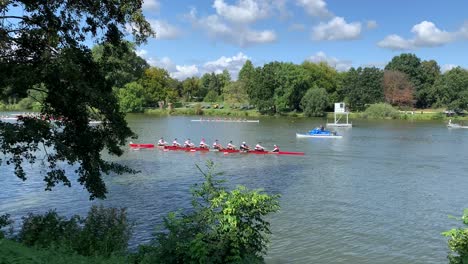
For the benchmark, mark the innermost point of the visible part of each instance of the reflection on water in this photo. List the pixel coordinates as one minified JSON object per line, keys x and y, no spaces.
{"x":381,"y":194}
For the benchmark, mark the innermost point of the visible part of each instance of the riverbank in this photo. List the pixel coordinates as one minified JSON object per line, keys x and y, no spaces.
{"x":416,"y":115}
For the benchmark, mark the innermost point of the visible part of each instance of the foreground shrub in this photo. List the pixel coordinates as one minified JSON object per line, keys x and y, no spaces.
{"x":4,"y":222}
{"x":49,"y":230}
{"x":380,"y":111}
{"x":458,"y":242}
{"x":104,"y":232}
{"x":223,"y":227}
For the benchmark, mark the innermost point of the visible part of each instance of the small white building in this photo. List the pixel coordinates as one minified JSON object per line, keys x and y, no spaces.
{"x":340,"y":111}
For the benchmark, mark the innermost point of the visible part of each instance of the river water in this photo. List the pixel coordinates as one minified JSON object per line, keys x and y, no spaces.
{"x":381,"y":194}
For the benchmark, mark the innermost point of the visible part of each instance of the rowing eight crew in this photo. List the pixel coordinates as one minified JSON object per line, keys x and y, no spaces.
{"x":216,"y":145}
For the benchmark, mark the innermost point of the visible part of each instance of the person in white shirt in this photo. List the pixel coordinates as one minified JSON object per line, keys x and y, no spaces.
{"x":188,"y":144}
{"x":175,"y":143}
{"x":216,"y":145}
{"x":276,"y":149}
{"x":230,"y":145}
{"x":161,"y":142}
{"x":203,"y":144}
{"x":259,"y":147}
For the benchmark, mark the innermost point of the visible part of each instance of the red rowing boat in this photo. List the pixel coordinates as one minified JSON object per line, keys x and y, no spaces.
{"x":135,"y":145}
{"x":260,"y":152}
{"x":185,"y":148}
{"x":234,"y":151}
{"x":226,"y":151}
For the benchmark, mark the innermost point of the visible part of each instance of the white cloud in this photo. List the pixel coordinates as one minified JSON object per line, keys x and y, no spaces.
{"x":337,"y":29}
{"x":245,"y":12}
{"x":339,"y":65}
{"x":151,"y":5}
{"x":447,"y":67}
{"x":163,"y":29}
{"x":317,"y":8}
{"x":296,"y":27}
{"x":181,"y":72}
{"x":395,"y":42}
{"x":185,"y":71}
{"x":235,"y":33}
{"x":372,"y":24}
{"x":426,"y":34}
{"x":142,"y":53}
{"x":232,"y":64}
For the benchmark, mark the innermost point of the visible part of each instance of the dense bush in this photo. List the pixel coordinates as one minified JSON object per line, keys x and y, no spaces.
{"x":458,"y":242}
{"x":223,"y":227}
{"x":4,"y":222}
{"x":380,"y":110}
{"x":104,"y":232}
{"x":314,"y":102}
{"x":211,"y":96}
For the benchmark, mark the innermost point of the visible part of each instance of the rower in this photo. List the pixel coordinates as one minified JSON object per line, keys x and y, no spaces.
{"x":203,"y":144}
{"x":244,"y":147}
{"x":231,"y":146}
{"x":175,"y":143}
{"x":259,"y":147}
{"x":216,"y":145}
{"x":275,"y":149}
{"x":161,"y":142}
{"x":188,"y":144}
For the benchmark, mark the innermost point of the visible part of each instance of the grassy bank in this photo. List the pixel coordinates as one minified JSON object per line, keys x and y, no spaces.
{"x":425,"y":116}
{"x":204,"y":112}
{"x":13,"y":252}
{"x":417,"y":115}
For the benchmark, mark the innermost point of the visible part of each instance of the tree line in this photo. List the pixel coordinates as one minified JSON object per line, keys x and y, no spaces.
{"x":406,"y":82}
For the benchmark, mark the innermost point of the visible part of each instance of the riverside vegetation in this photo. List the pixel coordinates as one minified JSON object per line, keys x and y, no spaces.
{"x":223,"y":226}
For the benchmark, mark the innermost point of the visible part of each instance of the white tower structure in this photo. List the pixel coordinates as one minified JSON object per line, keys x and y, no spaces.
{"x":340,"y":111}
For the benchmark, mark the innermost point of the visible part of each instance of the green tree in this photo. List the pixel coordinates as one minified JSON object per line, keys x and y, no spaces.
{"x":458,"y":242}
{"x":211,"y":96}
{"x":223,"y":226}
{"x":263,"y":87}
{"x":235,"y":93}
{"x":44,"y":42}
{"x":121,"y":64}
{"x":155,"y":82}
{"x":315,"y":102}
{"x":322,"y":75}
{"x":131,"y":98}
{"x":292,"y":84}
{"x":224,"y":80}
{"x":363,"y":86}
{"x":247,"y":76}
{"x":192,"y":89}
{"x":451,"y":89}
{"x":430,"y":72}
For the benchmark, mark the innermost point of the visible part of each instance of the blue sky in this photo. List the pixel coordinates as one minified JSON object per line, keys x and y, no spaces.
{"x":199,"y":36}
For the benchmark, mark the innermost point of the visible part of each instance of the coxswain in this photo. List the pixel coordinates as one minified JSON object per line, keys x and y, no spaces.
{"x":231,"y":146}
{"x":203,"y":144}
{"x":275,"y":148}
{"x":244,"y":147}
{"x":216,"y":145}
{"x":188,"y":144}
{"x":161,"y":142}
{"x":175,"y":143}
{"x":259,"y":147}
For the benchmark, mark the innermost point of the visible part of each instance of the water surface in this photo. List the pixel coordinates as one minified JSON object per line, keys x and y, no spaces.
{"x":381,"y":194}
